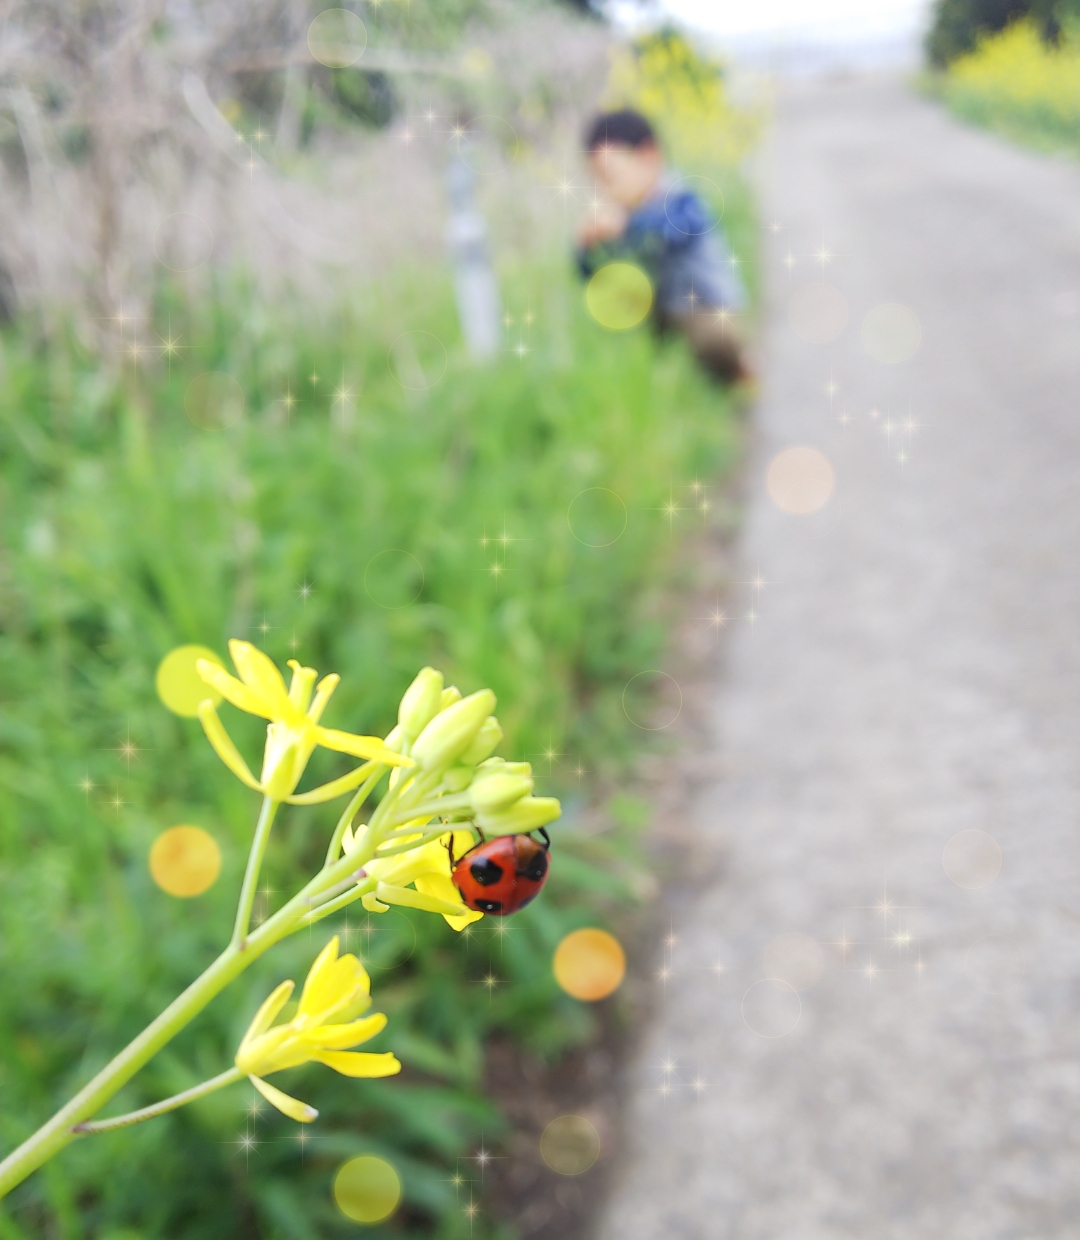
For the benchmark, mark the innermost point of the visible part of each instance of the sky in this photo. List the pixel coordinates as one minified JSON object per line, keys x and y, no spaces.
{"x":783,"y":19}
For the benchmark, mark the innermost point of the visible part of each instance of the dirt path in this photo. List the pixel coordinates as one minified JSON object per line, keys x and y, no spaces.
{"x":913,"y":672}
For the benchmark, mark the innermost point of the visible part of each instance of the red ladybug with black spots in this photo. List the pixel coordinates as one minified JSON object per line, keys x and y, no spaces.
{"x":500,"y":876}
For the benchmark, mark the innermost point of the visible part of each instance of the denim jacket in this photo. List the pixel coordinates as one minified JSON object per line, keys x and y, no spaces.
{"x":673,"y":238}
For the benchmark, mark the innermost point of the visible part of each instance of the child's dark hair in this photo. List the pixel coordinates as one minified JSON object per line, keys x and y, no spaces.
{"x":622,"y":128}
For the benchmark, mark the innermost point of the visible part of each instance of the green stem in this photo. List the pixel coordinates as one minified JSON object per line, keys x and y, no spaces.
{"x":361,"y":795}
{"x":59,"y":1131}
{"x":160,"y":1108}
{"x":251,"y":874}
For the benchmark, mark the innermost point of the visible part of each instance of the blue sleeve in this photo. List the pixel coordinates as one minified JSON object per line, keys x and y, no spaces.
{"x":676,"y":219}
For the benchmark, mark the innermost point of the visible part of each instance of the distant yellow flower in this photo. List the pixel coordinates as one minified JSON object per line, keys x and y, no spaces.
{"x":336,"y":987}
{"x":428,"y":869}
{"x":293,"y":732}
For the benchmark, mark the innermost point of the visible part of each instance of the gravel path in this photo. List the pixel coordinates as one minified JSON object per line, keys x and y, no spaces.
{"x":913,"y":673}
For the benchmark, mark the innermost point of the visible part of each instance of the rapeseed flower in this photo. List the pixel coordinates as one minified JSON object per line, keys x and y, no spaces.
{"x":337,"y":988}
{"x":294,"y":730}
{"x":427,"y":868}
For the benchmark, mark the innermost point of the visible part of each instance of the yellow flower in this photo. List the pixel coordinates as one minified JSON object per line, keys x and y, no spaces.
{"x":335,"y":987}
{"x":428,"y":869}
{"x":294,"y":729}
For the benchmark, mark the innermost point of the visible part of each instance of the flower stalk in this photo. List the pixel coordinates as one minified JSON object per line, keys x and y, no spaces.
{"x":434,"y":756}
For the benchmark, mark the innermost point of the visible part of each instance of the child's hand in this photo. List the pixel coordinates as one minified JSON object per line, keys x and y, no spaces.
{"x":603,"y":223}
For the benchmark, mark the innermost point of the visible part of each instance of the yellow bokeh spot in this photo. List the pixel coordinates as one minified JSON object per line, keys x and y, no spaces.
{"x":367,"y":1189}
{"x":570,"y":1145}
{"x":619,"y":296}
{"x":185,"y":861}
{"x":337,"y":38}
{"x":589,"y":964}
{"x":179,"y":685}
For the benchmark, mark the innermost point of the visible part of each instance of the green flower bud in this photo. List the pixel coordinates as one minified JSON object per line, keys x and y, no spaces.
{"x":458,"y":778}
{"x":528,"y":814}
{"x":451,"y":732}
{"x":500,"y":766}
{"x":484,"y":742}
{"x":421,"y":702}
{"x":449,"y":697}
{"x":498,"y":792}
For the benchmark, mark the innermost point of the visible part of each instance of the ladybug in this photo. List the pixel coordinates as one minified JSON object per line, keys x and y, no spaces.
{"x":500,"y":876}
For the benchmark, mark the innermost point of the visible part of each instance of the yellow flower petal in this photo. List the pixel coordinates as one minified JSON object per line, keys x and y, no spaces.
{"x":267,"y":1014}
{"x":233,"y":691}
{"x":292,"y":1107}
{"x":409,"y":898}
{"x":341,"y":1037}
{"x":373,"y":904}
{"x":440,"y":886}
{"x":360,"y":1063}
{"x":327,"y":792}
{"x":360,"y":747}
{"x":259,"y":672}
{"x":323,"y":692}
{"x":332,"y":983}
{"x":223,"y":745}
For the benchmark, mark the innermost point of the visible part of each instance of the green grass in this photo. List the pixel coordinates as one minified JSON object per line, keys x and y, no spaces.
{"x":129,"y":530}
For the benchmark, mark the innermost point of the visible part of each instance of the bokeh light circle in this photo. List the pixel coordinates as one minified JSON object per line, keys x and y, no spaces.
{"x":771,"y":1008}
{"x":795,"y":959}
{"x":818,"y":313}
{"x":367,"y":1189}
{"x":589,"y":964}
{"x":393,"y":578}
{"x":179,"y":685}
{"x":570,"y":1145}
{"x":183,"y":242}
{"x":337,"y":38}
{"x":596,"y":517}
{"x":696,"y":185}
{"x":972,"y":859}
{"x":214,"y":401}
{"x":995,"y":964}
{"x":619,"y":296}
{"x":800,"y":480}
{"x":185,"y":861}
{"x":891,"y":333}
{"x":417,"y":360}
{"x":643,"y":704}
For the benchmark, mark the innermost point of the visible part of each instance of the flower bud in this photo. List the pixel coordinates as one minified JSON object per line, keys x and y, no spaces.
{"x":421,"y":702}
{"x":458,"y":778}
{"x":449,"y":697}
{"x":528,"y":814}
{"x":451,"y":732}
{"x":500,"y":766}
{"x":498,"y":792}
{"x":483,"y":742}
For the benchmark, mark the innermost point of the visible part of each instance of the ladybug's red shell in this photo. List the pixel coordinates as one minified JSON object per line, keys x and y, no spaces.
{"x":501,"y":875}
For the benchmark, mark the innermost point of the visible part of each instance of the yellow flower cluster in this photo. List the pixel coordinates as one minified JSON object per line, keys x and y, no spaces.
{"x":663,"y":76}
{"x":1016,"y":76}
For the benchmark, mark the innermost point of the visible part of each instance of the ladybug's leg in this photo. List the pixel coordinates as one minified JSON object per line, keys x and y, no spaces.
{"x":450,"y":850}
{"x":547,"y":839}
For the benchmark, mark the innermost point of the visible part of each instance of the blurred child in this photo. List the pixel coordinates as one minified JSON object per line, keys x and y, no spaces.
{"x":654,"y":221}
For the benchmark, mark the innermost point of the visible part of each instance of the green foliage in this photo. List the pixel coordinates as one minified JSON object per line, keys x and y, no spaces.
{"x":1021,"y":86}
{"x":959,"y":24}
{"x":356,"y":524}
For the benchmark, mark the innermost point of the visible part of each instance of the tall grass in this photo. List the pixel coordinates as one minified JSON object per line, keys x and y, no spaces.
{"x":1020,"y":85}
{"x":366,"y":528}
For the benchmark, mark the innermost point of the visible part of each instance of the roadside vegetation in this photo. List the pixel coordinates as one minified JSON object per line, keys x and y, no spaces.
{"x":339,"y":484}
{"x":1019,"y":77}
